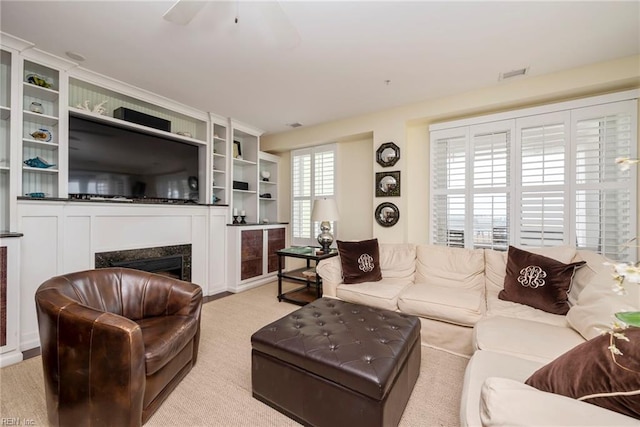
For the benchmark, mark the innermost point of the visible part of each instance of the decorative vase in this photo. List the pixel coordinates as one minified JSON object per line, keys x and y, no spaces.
{"x":36,"y":107}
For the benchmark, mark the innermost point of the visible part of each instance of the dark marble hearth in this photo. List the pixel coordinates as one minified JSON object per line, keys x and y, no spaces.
{"x":107,"y":259}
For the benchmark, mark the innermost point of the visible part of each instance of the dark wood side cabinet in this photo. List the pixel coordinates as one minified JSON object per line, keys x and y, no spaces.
{"x":276,"y":241}
{"x":251,"y":259}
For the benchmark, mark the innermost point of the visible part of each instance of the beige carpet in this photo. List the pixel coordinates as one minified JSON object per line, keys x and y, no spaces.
{"x":217,"y":392}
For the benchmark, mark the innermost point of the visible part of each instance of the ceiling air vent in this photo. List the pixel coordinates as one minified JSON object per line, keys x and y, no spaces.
{"x":294,"y":125}
{"x":513,"y":73}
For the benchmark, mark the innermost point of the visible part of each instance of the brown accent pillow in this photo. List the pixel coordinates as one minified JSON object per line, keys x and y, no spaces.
{"x":591,"y":373}
{"x":360,"y":261}
{"x":538,"y":281}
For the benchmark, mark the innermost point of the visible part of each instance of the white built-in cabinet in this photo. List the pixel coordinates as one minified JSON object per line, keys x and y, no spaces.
{"x":59,"y":236}
{"x":245,"y":146}
{"x":219,"y":160}
{"x":268,"y":187}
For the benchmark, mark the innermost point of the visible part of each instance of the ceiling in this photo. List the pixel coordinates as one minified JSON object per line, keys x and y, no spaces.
{"x":352,"y":57}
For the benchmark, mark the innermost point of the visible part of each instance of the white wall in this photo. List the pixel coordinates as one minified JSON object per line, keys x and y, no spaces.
{"x":408,"y":125}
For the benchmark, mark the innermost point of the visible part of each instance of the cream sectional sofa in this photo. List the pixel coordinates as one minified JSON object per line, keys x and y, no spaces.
{"x":455,"y":291}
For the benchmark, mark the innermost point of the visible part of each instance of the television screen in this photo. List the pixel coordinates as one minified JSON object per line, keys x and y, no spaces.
{"x":110,"y":161}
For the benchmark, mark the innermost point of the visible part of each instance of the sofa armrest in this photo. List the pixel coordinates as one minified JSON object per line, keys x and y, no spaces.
{"x":80,"y":346}
{"x":505,"y":402}
{"x":330,"y":270}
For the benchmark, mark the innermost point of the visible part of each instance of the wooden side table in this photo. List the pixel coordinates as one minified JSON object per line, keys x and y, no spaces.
{"x":312,"y":288}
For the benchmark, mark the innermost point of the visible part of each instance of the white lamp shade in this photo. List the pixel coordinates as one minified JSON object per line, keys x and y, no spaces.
{"x":325,"y":210}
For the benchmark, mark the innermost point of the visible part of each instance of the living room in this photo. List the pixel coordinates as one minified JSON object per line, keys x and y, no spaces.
{"x":612,"y":67}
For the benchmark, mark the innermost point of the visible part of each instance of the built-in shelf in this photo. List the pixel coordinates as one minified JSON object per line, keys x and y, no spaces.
{"x":45,"y":119}
{"x":40,"y":92}
{"x":241,"y":162}
{"x":5,"y":113}
{"x":77,"y":112}
{"x":40,"y":170}
{"x":244,"y":191}
{"x":5,"y":168}
{"x":40,"y":144}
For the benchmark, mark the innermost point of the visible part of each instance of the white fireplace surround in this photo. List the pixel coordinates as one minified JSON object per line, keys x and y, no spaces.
{"x":65,"y":236}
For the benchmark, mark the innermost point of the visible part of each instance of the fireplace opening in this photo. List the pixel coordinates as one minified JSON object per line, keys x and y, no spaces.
{"x":173,"y":261}
{"x":170,"y":266}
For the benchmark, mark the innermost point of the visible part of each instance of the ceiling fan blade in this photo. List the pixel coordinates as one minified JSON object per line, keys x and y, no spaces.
{"x":183,"y":11}
{"x":285,"y":33}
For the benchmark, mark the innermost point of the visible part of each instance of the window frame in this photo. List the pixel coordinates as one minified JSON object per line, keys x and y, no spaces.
{"x":570,"y":113}
{"x":311,"y":240}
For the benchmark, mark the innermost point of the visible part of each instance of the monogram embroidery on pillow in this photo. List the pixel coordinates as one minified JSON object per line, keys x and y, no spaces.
{"x":365,"y":263}
{"x":532,"y":277}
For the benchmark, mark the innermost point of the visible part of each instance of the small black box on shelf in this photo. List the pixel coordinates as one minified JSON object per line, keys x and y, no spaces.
{"x":239,"y":185}
{"x":142,"y":119}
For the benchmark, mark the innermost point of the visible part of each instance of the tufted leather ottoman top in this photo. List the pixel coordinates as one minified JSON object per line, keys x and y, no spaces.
{"x":359,"y":347}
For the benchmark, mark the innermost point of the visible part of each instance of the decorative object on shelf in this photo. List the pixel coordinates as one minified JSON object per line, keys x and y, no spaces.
{"x":97,"y":109}
{"x":215,"y":199}
{"x":36,"y":195}
{"x":387,"y":154}
{"x":265,"y":220}
{"x":324,"y":211}
{"x":237,"y":150}
{"x":143,"y":119}
{"x":38,"y":162}
{"x":38,"y":80}
{"x":235,"y":219}
{"x":41,"y":134}
{"x":240,"y":185}
{"x":388,"y":184}
{"x":184,"y":133}
{"x":266,"y":195}
{"x":242,"y":219}
{"x":387,"y":214}
{"x":36,"y":107}
{"x":265,"y":175}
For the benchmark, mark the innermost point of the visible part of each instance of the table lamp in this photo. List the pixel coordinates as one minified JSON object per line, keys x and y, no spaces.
{"x":324,"y":211}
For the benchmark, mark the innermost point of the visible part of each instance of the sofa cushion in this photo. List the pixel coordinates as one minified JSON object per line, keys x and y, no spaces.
{"x":398,"y":260}
{"x":496,"y":264}
{"x":532,"y":407}
{"x":592,"y":373}
{"x":524,"y":338}
{"x":164,"y":337}
{"x":442,"y":303}
{"x":595,"y":264}
{"x":498,"y":307}
{"x":452,"y":267}
{"x":381,"y":294}
{"x":485,"y":364}
{"x":360,"y":261}
{"x":597,"y":303}
{"x":538,"y":281}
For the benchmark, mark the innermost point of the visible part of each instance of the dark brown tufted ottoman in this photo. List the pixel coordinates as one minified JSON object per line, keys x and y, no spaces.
{"x":334,"y":363}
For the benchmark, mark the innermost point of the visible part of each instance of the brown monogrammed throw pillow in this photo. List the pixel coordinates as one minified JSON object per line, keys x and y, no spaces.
{"x":360,"y":261}
{"x":592,"y":373}
{"x":538,"y":281}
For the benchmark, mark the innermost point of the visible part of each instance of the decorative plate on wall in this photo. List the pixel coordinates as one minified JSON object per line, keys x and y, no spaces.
{"x":387,"y":214}
{"x":387,"y":154}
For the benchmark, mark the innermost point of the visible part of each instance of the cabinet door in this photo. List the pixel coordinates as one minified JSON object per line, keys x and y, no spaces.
{"x":275,"y":243}
{"x":251,"y":253}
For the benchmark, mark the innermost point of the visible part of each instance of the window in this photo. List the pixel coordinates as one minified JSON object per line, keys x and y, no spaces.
{"x":542,"y":179}
{"x":313,"y":175}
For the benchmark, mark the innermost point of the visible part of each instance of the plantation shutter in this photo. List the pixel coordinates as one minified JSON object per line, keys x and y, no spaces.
{"x":545,"y":176}
{"x":491,"y":171}
{"x":544,"y":195}
{"x":603,"y":203}
{"x":313,"y":175}
{"x":449,"y":165}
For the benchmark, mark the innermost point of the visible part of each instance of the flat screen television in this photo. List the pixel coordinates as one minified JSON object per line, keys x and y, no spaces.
{"x":106,"y":160}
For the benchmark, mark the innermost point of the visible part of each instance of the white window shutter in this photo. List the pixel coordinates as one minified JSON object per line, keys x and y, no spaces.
{"x":605,"y":209}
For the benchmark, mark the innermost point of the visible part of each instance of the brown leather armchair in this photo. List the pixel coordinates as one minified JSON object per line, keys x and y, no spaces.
{"x":115,"y":342}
